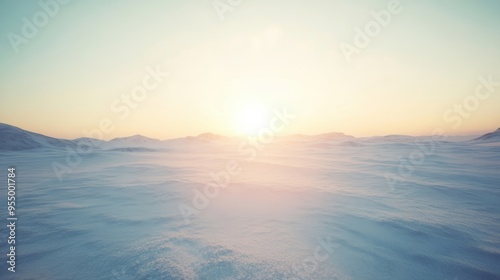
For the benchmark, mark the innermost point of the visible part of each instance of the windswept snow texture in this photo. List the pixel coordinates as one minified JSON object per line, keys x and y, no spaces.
{"x":326,"y":208}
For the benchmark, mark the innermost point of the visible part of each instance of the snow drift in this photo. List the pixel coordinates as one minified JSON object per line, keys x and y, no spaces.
{"x":303,"y":208}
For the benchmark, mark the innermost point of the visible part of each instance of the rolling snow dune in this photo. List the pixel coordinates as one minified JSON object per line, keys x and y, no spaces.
{"x":305,"y":209}
{"x":492,"y":136}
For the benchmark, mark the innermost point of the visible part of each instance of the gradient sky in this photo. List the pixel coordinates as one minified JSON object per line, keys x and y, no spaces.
{"x":265,"y":54}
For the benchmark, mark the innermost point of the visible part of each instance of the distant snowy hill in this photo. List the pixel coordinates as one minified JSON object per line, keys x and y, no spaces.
{"x":16,"y":139}
{"x":393,"y":138}
{"x":210,"y":137}
{"x":204,"y":138}
{"x":133,"y":141}
{"x":332,"y":136}
{"x":490,"y":137}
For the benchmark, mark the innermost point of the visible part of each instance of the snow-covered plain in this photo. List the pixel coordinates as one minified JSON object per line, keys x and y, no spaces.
{"x":302,"y":208}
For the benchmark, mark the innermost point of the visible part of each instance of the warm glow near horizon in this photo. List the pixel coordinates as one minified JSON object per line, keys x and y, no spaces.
{"x":421,"y":73}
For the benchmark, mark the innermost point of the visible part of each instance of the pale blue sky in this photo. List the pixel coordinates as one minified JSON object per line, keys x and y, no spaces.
{"x":271,"y":53}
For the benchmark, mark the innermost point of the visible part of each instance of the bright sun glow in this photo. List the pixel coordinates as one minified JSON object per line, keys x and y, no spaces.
{"x":251,"y":118}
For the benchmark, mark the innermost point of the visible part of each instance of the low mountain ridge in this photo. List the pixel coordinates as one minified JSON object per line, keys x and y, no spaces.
{"x":135,"y":141}
{"x":16,"y":139}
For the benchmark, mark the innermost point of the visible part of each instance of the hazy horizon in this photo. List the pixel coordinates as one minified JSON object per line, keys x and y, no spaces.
{"x":282,"y":135}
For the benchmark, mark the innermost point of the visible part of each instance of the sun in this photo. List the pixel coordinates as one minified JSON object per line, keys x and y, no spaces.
{"x":251,"y":118}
